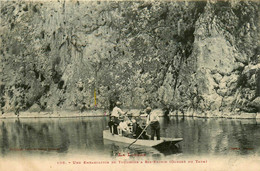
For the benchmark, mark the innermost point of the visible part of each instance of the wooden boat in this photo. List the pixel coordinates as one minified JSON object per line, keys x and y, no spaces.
{"x":149,"y":143}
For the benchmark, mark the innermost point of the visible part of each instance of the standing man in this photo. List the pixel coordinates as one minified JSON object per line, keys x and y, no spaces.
{"x":114,"y":121}
{"x":153,"y":119}
{"x":116,"y":112}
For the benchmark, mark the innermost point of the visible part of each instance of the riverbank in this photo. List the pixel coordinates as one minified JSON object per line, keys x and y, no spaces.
{"x":135,"y":112}
{"x":217,"y":114}
{"x":56,"y":114}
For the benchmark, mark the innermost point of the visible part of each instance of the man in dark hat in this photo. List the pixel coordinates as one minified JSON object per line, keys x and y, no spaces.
{"x":153,"y":120}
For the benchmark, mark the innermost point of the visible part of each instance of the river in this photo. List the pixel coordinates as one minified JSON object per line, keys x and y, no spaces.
{"x":65,"y":137}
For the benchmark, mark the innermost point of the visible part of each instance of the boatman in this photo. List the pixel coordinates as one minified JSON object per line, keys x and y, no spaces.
{"x":153,"y":120}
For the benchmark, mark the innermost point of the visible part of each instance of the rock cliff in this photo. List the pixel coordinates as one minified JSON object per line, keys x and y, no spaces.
{"x":179,"y":56}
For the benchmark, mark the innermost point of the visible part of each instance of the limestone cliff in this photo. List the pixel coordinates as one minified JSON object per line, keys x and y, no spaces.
{"x":199,"y":56}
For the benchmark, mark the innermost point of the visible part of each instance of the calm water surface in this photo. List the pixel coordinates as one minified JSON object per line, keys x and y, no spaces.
{"x":83,"y":136}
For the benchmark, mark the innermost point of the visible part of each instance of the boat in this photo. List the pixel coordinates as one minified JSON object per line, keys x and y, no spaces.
{"x":141,"y":142}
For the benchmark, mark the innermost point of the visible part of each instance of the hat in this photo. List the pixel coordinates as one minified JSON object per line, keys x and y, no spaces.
{"x":148,"y":109}
{"x":118,"y":103}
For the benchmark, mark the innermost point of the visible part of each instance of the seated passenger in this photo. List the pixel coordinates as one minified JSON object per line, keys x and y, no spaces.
{"x":143,"y":114}
{"x":139,"y":129}
{"x":131,"y":123}
{"x":123,"y":127}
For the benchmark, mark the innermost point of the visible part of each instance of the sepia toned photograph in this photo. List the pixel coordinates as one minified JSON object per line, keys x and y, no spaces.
{"x":129,"y":85}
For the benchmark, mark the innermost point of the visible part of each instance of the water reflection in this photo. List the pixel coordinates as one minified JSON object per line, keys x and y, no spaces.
{"x":4,"y":142}
{"x":63,"y":136}
{"x":216,"y":136}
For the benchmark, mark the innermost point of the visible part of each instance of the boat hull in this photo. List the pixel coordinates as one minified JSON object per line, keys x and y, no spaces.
{"x":149,"y":143}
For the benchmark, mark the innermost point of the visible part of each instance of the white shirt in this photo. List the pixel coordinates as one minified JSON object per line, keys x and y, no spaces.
{"x":117,"y":111}
{"x":124,"y":126}
{"x":153,"y":117}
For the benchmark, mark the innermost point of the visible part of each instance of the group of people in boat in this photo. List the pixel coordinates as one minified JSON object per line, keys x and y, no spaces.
{"x":125,"y":124}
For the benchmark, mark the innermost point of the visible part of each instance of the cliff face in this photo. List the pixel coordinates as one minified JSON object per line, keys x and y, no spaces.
{"x":226,"y":54}
{"x":201,"y":56}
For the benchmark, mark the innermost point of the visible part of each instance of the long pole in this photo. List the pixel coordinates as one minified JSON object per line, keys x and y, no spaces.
{"x":139,"y":135}
{"x":141,"y":132}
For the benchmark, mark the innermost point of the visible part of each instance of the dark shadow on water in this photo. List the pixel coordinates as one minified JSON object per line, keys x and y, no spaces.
{"x":169,"y":149}
{"x":119,"y":150}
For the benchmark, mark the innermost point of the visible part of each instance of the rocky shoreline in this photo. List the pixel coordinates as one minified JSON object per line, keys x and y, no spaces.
{"x":214,"y":114}
{"x":135,"y":112}
{"x":55,"y":114}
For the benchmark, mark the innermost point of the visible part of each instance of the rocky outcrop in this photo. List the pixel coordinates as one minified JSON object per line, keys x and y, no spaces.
{"x":183,"y":56}
{"x":226,"y":76}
